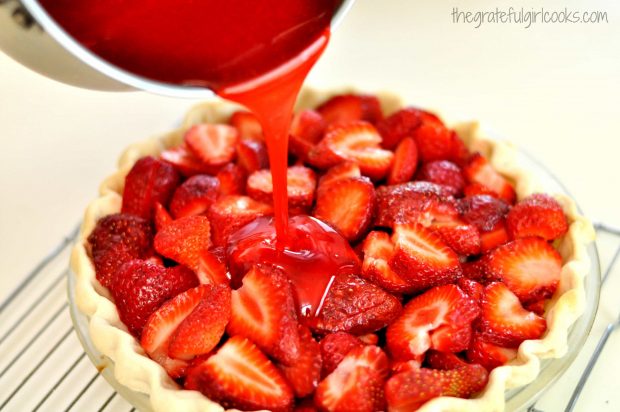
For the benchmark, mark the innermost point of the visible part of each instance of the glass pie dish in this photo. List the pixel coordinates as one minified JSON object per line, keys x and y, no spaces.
{"x":540,"y":373}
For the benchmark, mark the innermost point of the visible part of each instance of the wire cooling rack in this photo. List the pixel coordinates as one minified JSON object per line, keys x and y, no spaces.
{"x":43,"y":366}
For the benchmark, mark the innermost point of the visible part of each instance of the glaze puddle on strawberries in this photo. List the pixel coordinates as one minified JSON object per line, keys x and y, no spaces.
{"x":317,"y":253}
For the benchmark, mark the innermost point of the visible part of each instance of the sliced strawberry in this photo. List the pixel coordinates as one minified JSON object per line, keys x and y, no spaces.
{"x":410,"y":335}
{"x":488,"y":355}
{"x":422,"y":202}
{"x":472,"y":288}
{"x":305,"y":373}
{"x":399,"y":125}
{"x":422,"y":258}
{"x":530,"y":267}
{"x":202,"y":330}
{"x":494,"y":238}
{"x":464,"y":239}
{"x":448,"y":338}
{"x":477,"y":270}
{"x":230,"y":213}
{"x":484,"y":211}
{"x":184,"y":161}
{"x":358,"y":142}
{"x":116,"y":239}
{"x":436,"y":142}
{"x":162,"y":324}
{"x":537,"y":215}
{"x":444,"y":360}
{"x":140,"y":287}
{"x":347,"y":205}
{"x":445,"y":173}
{"x":194,"y":196}
{"x":308,"y":125}
{"x":405,"y":162}
{"x":149,"y":181}
{"x":399,"y":366}
{"x":378,"y":250}
{"x":232,"y":180}
{"x":408,"y":391}
{"x":334,"y":347}
{"x":301,"y":183}
{"x":351,"y":107}
{"x":341,"y":171}
{"x":503,"y":320}
{"x":184,"y":240}
{"x":356,"y":306}
{"x":252,"y":155}
{"x":212,"y":269}
{"x":240,"y":376}
{"x":356,"y":384}
{"x":479,"y":170}
{"x":264,"y":310}
{"x":214,"y":144}
{"x":247,"y":125}
{"x":162,"y":217}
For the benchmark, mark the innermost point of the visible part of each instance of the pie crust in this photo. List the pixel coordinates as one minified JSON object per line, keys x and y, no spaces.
{"x":139,"y":373}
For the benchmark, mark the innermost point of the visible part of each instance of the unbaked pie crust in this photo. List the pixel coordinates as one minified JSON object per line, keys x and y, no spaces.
{"x":135,"y":370}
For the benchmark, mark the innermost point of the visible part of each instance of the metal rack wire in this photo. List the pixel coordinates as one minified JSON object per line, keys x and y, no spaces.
{"x":43,"y":366}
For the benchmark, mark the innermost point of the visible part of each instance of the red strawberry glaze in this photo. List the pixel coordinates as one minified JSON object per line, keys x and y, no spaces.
{"x":313,"y":255}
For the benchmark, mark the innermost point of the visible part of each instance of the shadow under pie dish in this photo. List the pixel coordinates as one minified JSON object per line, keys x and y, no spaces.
{"x":136,"y":371}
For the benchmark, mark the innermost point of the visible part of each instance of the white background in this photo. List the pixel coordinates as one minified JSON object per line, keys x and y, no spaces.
{"x":552,"y":89}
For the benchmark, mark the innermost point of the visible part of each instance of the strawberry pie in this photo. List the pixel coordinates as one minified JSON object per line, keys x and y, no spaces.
{"x":423,"y":269}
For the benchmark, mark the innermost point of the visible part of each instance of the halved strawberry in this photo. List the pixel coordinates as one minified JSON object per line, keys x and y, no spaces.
{"x":252,"y":155}
{"x":305,"y":373}
{"x":399,"y":126}
{"x":116,"y":239}
{"x":162,"y":217}
{"x":356,"y":384}
{"x":537,"y":215}
{"x":240,"y":376}
{"x":212,"y":269}
{"x":351,"y":107}
{"x":503,"y":320}
{"x":378,"y":249}
{"x":194,"y":196}
{"x":404,"y":366}
{"x":334,"y":347}
{"x":422,"y":258}
{"x":140,"y":287}
{"x":149,"y":181}
{"x":444,"y":360}
{"x":162,"y":324}
{"x":463,"y":238}
{"x":530,"y":267}
{"x":436,"y":142}
{"x":203,"y":328}
{"x":410,"y":335}
{"x":405,"y":162}
{"x":340,"y":171}
{"x":479,"y":170}
{"x":301,"y":182}
{"x":449,"y":338}
{"x":356,"y":306}
{"x":484,"y":211}
{"x":214,"y":144}
{"x":488,"y":355}
{"x":230,"y":213}
{"x":358,"y":142}
{"x":247,"y":125}
{"x":347,"y":205}
{"x":185,"y":161}
{"x":422,"y":202}
{"x":308,"y":125}
{"x":408,"y":391}
{"x":445,"y":173}
{"x":264,"y":310}
{"x":494,"y":237}
{"x":232,"y":180}
{"x":184,"y":240}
